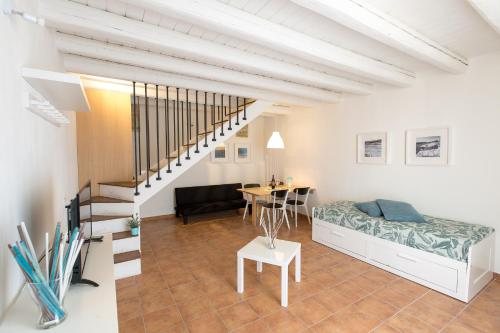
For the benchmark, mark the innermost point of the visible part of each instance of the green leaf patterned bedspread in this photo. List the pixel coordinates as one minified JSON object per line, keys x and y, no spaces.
{"x":447,"y":238}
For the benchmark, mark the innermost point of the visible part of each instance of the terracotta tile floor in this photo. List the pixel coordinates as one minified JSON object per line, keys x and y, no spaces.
{"x":189,"y":281}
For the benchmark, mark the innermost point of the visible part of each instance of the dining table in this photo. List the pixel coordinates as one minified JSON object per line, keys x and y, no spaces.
{"x":264,"y":191}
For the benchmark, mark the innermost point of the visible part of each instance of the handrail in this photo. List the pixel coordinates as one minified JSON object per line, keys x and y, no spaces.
{"x":182,"y":134}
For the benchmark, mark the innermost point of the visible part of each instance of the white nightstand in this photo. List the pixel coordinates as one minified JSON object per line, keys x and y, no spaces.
{"x":281,"y":256}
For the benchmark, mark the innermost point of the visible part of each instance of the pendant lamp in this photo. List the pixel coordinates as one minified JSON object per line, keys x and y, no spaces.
{"x":275,"y":141}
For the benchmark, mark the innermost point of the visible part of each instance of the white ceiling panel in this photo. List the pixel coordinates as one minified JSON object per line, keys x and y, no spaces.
{"x":452,"y":23}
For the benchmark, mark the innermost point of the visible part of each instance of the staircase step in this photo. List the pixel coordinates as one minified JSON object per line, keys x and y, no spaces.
{"x":127,"y":264}
{"x":107,"y":224}
{"x":122,"y":235}
{"x":123,"y":190}
{"x":129,"y":184}
{"x":126,"y":256}
{"x":112,"y":206}
{"x":124,"y":242}
{"x":102,"y":218}
{"x":101,"y":199}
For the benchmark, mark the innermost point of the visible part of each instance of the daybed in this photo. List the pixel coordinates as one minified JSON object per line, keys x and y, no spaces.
{"x":452,"y":257}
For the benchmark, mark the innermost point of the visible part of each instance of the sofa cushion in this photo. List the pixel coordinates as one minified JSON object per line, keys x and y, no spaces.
{"x":371,"y":208}
{"x":399,"y":211}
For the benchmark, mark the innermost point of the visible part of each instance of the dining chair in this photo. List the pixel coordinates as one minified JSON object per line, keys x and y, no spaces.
{"x":301,"y":193}
{"x":248,"y":199}
{"x":277,"y":205}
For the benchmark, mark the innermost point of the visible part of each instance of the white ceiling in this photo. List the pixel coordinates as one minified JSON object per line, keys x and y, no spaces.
{"x":453,"y":24}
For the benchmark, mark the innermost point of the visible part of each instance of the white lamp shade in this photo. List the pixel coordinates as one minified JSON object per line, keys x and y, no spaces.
{"x":275,"y":141}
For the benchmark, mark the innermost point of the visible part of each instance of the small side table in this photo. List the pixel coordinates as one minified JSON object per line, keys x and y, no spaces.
{"x":281,"y":256}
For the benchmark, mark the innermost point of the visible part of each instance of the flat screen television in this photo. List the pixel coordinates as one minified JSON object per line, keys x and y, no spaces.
{"x":80,"y":216}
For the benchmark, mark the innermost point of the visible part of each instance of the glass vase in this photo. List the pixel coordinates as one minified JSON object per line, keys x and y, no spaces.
{"x":51,"y":308}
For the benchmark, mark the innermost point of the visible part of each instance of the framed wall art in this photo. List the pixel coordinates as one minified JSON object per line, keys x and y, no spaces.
{"x":428,"y":146}
{"x":242,"y":153}
{"x":372,"y":148}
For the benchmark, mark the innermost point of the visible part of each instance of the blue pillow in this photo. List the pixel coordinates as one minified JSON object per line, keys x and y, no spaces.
{"x":371,"y":208}
{"x":399,"y":211}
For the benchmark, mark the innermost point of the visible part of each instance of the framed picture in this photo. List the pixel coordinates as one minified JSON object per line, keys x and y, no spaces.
{"x":220,"y":154}
{"x":243,"y":133}
{"x":372,"y":148}
{"x":427,"y":146}
{"x":242,"y":153}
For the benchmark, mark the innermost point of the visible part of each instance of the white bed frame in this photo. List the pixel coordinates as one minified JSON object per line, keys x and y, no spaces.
{"x":461,"y":280}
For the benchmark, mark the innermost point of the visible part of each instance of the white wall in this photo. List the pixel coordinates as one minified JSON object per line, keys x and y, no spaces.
{"x":208,"y":173}
{"x":38,"y":172}
{"x":321,"y":146}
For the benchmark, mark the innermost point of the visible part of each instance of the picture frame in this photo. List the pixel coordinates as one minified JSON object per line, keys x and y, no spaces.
{"x":428,"y":147}
{"x":372,"y":148}
{"x":242,"y":153}
{"x":220,"y":154}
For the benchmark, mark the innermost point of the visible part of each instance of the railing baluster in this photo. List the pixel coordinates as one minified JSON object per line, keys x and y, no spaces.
{"x":229,"y":107}
{"x":182,"y":124}
{"x":197,"y":126}
{"x":134,"y":115}
{"x":174,"y":122}
{"x":206,"y":121}
{"x":213,"y":117}
{"x":244,"y":109}
{"x":188,"y":125}
{"x":178,"y":139}
{"x":157,"y":137}
{"x":148,"y":157}
{"x":139,"y":129}
{"x":167,"y":130}
{"x":237,"y":110}
{"x":222,"y":114}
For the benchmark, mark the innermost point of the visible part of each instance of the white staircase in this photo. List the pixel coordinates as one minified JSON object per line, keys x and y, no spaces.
{"x":117,"y":202}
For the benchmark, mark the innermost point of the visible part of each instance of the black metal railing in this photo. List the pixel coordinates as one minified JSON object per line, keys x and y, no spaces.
{"x":178,"y":130}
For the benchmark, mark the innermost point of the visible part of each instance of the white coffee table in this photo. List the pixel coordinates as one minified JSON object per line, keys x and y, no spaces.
{"x":282,"y":255}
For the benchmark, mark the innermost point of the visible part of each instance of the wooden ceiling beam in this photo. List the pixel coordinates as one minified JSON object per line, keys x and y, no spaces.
{"x":129,"y":56}
{"x":74,"y":18}
{"x":228,"y":20}
{"x":489,"y":10}
{"x":89,"y":66}
{"x":375,"y":24}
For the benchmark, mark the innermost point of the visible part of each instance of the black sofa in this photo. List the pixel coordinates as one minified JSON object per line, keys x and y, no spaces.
{"x":197,"y":200}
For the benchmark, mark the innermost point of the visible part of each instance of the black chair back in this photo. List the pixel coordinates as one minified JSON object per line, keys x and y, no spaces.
{"x":251,"y":185}
{"x":279,"y":194}
{"x":301,"y":190}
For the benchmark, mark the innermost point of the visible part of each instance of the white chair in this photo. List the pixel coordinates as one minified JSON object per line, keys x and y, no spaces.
{"x":277,"y":206}
{"x":248,"y":199}
{"x":301,"y":193}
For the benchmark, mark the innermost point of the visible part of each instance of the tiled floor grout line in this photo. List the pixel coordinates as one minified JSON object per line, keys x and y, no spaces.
{"x":400,"y":310}
{"x":236,"y":235}
{"x":371,"y":293}
{"x":216,"y":310}
{"x":466,"y":306}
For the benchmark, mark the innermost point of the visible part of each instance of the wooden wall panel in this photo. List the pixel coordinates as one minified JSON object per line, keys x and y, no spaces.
{"x":104,"y":138}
